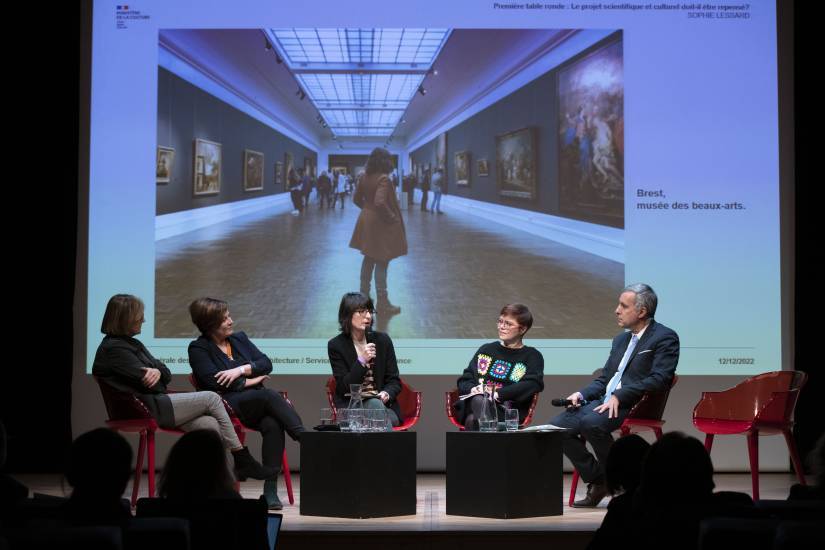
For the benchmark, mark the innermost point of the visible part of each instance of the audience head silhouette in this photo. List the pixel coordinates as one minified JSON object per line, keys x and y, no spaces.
{"x":196,"y":468}
{"x":623,"y":468}
{"x":100,"y":463}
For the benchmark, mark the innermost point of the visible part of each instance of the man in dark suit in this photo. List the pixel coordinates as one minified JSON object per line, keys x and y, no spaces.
{"x":642,"y":359}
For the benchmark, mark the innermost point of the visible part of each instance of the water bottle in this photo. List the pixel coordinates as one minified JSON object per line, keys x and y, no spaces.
{"x":488,"y":420}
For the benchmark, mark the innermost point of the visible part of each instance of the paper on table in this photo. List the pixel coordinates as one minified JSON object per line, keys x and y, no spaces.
{"x":544,"y":428}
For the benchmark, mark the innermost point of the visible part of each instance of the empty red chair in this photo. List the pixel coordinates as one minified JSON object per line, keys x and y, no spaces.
{"x":762,"y":405}
{"x":645,"y":415}
{"x":409,"y":401}
{"x":451,"y":398}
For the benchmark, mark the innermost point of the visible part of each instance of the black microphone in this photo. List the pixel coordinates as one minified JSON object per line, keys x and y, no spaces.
{"x":566,"y":402}
{"x":370,"y":337}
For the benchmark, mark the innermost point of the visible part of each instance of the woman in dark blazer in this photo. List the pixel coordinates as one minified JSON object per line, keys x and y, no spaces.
{"x":360,"y":356}
{"x":229,"y":363}
{"x":123,"y":363}
{"x":379,"y":232}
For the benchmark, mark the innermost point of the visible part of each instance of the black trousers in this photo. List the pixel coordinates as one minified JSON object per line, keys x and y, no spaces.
{"x":266,"y":411}
{"x":596,"y":429}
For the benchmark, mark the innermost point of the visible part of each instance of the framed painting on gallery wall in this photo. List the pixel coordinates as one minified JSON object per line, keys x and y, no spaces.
{"x":279,"y":168}
{"x":483,"y":168}
{"x":165,"y":162}
{"x":590,"y":92}
{"x":441,"y":152}
{"x":207,"y":180}
{"x":288,"y":167}
{"x":462,"y":168}
{"x":516,"y":164}
{"x":253,"y":170}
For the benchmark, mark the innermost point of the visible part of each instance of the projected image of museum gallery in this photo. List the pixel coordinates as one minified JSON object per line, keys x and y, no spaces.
{"x":520,"y":199}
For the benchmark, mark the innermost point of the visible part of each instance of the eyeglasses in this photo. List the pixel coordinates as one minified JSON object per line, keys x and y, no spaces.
{"x":506,"y":324}
{"x":363,"y":311}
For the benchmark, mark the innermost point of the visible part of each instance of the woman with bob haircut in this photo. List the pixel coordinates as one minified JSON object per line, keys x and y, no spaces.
{"x":228,"y":363}
{"x":125,"y":364}
{"x":360,"y":356}
{"x":515,"y":371}
{"x":379,"y":232}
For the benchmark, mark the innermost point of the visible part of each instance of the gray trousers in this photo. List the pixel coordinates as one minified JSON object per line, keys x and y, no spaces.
{"x":204,"y":410}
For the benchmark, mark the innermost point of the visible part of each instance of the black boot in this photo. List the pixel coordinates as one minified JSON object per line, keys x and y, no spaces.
{"x":595,"y":493}
{"x":271,"y":495}
{"x":385,"y":306}
{"x":246,"y":466}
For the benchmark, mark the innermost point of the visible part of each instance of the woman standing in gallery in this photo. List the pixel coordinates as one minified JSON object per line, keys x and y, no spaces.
{"x":379,"y":232}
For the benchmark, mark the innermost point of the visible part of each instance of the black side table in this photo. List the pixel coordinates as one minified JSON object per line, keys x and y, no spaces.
{"x":358,"y":475}
{"x":504,"y":474}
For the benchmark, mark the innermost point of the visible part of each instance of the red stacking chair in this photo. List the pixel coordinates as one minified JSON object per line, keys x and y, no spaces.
{"x":409,"y":401}
{"x":645,"y":415}
{"x":127,"y":413}
{"x":451,"y":398}
{"x":242,"y":429}
{"x":762,"y":405}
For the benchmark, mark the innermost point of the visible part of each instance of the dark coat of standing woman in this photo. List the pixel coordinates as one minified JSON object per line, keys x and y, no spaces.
{"x":379,"y":232}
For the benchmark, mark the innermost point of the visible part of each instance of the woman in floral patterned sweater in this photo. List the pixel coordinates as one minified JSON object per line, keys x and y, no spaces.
{"x":516,"y":371}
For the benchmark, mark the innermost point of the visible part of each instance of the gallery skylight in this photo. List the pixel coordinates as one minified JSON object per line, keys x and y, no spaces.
{"x":361,"y":80}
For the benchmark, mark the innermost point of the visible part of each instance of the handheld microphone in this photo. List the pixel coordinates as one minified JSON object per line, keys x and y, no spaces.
{"x":566,"y":402}
{"x":370,"y":337}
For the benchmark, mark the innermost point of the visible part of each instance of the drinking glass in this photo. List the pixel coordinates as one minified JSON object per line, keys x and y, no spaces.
{"x":511,"y":420}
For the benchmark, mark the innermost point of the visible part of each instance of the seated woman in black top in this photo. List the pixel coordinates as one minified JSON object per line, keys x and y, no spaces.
{"x":228,"y":363}
{"x":125,"y":364}
{"x":360,"y":356}
{"x":516,"y":371}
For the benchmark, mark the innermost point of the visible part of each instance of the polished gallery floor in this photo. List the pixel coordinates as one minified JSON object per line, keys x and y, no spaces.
{"x":284,"y":276}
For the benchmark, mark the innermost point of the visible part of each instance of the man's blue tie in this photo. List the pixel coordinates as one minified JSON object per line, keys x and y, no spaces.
{"x":611,"y":386}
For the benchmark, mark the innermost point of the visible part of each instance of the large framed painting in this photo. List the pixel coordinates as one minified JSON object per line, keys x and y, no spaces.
{"x":516,"y":164}
{"x":279,"y":171}
{"x":165,"y":161}
{"x":462,"y":168}
{"x":441,"y":152}
{"x":253,"y":170}
{"x":591,"y":136}
{"x":288,"y":167}
{"x":207,"y":180}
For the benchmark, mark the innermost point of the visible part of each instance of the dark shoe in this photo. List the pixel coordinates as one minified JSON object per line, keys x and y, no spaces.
{"x":271,"y":495}
{"x":385,"y":306}
{"x":595,"y":493}
{"x":246,"y":466}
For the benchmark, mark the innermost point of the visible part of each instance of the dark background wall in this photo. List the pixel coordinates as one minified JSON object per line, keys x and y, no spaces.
{"x":185,"y":113}
{"x":534,"y":105}
{"x":354,"y":163}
